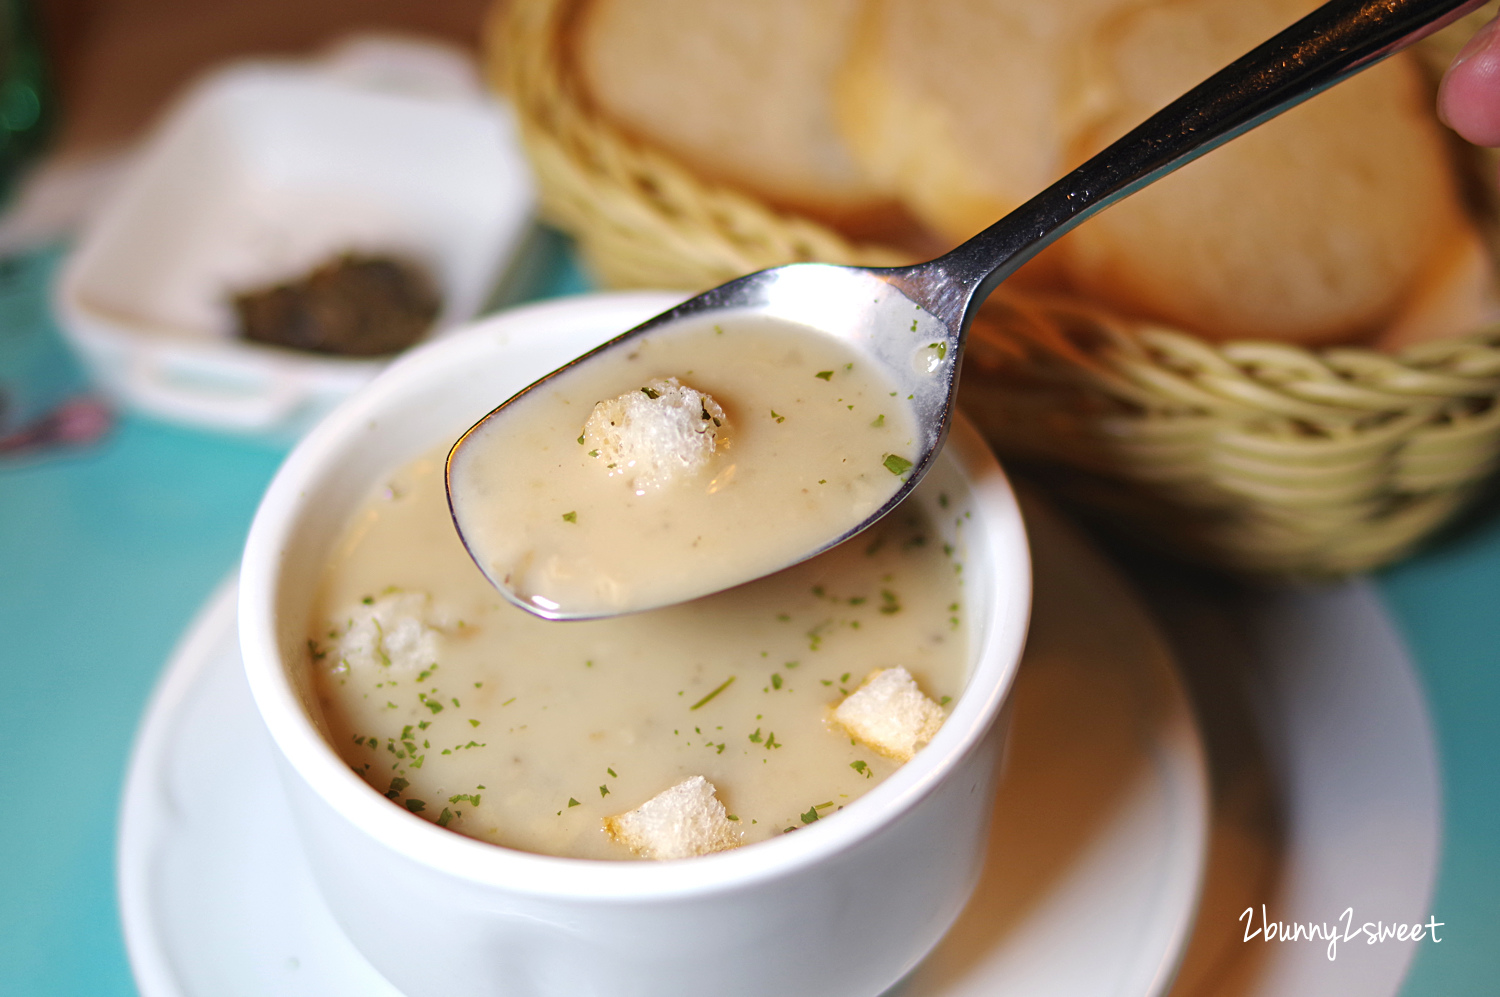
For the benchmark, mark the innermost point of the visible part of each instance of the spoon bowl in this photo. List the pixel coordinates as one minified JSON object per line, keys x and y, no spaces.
{"x":910,"y":322}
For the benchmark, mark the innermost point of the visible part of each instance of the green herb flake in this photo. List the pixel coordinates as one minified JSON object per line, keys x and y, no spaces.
{"x":651,"y":393}
{"x":368,"y":600}
{"x":776,"y":680}
{"x":398,"y":786}
{"x":826,"y":375}
{"x":570,"y":517}
{"x":862,"y":769}
{"x":810,"y":816}
{"x":731,"y":817}
{"x":896,"y":465}
{"x":572,"y":802}
{"x":509,"y":701}
{"x":756,"y":736}
{"x":445,"y":818}
{"x":416,"y":806}
{"x":771,"y":741}
{"x":945,"y":700}
{"x":778,"y":417}
{"x":603,"y":791}
{"x":722,"y":686}
{"x":593,"y":453}
{"x":580,"y":439}
{"x":612,"y":773}
{"x":473,"y":722}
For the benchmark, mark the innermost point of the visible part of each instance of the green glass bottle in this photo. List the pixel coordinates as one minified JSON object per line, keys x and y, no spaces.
{"x":25,"y":96}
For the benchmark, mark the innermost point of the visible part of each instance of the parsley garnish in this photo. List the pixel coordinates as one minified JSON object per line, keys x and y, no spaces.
{"x":862,"y":769}
{"x":826,"y":375}
{"x":722,"y":686}
{"x":415,"y":806}
{"x":445,"y":817}
{"x":896,"y":465}
{"x":570,"y":517}
{"x":572,"y":802}
{"x":650,"y":393}
{"x":810,"y":816}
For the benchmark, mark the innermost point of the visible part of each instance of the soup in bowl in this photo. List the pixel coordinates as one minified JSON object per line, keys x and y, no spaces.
{"x":460,"y":776}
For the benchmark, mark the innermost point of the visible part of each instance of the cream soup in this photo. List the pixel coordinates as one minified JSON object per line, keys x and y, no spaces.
{"x":475,"y":714}
{"x":812,"y":440}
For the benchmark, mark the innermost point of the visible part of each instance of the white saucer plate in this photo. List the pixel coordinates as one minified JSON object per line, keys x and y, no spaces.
{"x":1096,"y":852}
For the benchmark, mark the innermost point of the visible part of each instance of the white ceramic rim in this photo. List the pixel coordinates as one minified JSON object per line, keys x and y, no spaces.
{"x":424,"y":843}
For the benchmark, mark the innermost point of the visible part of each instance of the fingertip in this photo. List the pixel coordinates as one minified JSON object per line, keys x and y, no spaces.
{"x":1469,"y":96}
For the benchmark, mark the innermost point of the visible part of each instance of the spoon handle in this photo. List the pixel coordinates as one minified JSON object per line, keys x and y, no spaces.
{"x":1329,"y":45}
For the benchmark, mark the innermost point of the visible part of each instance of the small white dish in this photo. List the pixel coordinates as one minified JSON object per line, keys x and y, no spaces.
{"x":263,"y":171}
{"x":1094,"y":859}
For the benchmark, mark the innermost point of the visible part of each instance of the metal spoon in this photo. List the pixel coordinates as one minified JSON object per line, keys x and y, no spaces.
{"x":912,"y":320}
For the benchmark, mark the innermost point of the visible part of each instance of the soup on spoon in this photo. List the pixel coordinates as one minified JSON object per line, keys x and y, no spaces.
{"x":711,"y":451}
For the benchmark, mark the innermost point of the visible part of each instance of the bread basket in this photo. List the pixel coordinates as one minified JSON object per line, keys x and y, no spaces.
{"x":1259,"y":457}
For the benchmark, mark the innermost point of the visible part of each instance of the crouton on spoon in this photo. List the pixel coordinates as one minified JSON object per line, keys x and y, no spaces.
{"x":685,"y":503}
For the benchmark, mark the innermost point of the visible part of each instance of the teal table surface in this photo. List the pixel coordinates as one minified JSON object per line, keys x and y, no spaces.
{"x":106,"y":553}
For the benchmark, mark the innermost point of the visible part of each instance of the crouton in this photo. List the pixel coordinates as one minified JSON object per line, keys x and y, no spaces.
{"x":652,"y":435}
{"x":391,"y":631}
{"x":889,"y":713}
{"x":677,"y":823}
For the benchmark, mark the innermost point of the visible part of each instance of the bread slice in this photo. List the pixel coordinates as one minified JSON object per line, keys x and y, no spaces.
{"x":1457,"y":295}
{"x":965,"y":107}
{"x":889,"y":713}
{"x":677,"y":823}
{"x":1311,"y":229}
{"x":738,"y":92}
